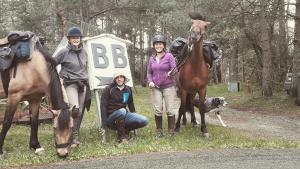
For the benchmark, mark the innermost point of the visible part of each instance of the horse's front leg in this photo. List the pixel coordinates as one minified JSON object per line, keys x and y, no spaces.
{"x":34,"y":106}
{"x":190,"y":106}
{"x":182,"y":110}
{"x":11,"y":107}
{"x":204,"y":130}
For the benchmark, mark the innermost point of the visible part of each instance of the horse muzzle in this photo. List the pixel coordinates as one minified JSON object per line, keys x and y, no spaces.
{"x":62,"y":150}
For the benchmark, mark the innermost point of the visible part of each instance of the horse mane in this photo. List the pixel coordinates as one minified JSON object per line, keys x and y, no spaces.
{"x":56,"y":95}
{"x":63,"y":119}
{"x":196,"y":16}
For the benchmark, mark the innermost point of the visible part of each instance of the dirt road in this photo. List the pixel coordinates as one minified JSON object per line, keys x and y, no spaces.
{"x":259,"y":123}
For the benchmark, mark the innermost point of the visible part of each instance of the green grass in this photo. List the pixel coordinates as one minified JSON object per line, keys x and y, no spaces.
{"x":18,"y":153}
{"x":280,"y":102}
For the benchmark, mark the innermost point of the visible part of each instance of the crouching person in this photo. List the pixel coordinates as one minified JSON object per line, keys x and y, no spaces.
{"x":117,"y":109}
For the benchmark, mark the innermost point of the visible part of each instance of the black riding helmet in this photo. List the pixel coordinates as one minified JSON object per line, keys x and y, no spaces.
{"x":159,"y":38}
{"x":74,"y":31}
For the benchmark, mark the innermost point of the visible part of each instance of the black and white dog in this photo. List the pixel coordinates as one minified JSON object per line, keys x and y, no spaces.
{"x":212,"y":104}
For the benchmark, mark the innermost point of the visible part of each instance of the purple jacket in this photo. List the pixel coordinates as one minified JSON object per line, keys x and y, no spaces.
{"x":158,"y":72}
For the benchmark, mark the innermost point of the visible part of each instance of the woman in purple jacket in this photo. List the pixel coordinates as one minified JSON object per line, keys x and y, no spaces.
{"x":158,"y":74}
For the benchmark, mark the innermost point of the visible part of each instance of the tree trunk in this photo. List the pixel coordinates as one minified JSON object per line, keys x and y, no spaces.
{"x":266,"y":52}
{"x":283,"y":42}
{"x":234,"y":69}
{"x":296,"y":59}
{"x":61,"y":20}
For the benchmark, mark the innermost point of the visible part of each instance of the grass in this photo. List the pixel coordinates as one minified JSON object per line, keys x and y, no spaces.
{"x":280,"y":102}
{"x":18,"y":153}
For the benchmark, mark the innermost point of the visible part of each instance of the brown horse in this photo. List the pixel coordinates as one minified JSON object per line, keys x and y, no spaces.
{"x":30,"y":81}
{"x":193,"y":74}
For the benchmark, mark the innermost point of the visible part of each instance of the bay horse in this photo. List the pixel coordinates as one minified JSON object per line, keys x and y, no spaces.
{"x":31,"y":81}
{"x":193,"y":74}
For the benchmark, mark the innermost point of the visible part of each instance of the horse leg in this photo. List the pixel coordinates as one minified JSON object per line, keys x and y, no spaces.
{"x":184,"y":119}
{"x":180,"y":114}
{"x":11,"y":107}
{"x":202,"y":94}
{"x":182,"y":110}
{"x":34,"y":106}
{"x":190,"y":105}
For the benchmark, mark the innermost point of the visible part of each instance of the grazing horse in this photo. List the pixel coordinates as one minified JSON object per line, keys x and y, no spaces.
{"x":193,"y":74}
{"x":30,"y":80}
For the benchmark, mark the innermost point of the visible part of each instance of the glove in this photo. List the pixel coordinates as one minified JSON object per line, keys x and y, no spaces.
{"x":151,"y":84}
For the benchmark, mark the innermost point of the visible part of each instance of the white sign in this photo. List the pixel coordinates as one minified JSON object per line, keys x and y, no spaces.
{"x":107,"y":54}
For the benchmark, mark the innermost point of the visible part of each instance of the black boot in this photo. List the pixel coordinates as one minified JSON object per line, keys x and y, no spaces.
{"x":159,"y":131}
{"x":171,"y":125}
{"x":75,"y":133}
{"x":122,"y":136}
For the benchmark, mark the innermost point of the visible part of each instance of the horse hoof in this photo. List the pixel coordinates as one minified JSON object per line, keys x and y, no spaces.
{"x":205,"y":135}
{"x":74,"y":145}
{"x":177,"y":130}
{"x":195,"y":124}
{"x":39,"y":151}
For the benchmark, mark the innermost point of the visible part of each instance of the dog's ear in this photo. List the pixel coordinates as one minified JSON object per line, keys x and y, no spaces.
{"x":216,"y":101}
{"x":222,"y":101}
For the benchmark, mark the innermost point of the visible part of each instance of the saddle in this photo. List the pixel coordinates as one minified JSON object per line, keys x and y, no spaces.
{"x":16,"y":46}
{"x":179,"y":48}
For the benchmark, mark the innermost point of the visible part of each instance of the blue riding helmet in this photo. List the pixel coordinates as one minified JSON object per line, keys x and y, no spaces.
{"x":74,"y":32}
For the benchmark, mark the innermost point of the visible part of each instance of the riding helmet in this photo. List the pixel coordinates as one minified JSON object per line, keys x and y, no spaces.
{"x":74,"y":31}
{"x":159,"y":38}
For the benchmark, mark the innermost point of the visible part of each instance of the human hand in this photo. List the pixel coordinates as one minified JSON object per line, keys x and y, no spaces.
{"x":151,"y":84}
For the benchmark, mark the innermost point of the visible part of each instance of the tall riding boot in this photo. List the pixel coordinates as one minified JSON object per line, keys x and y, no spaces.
{"x":122,"y":136}
{"x":75,"y":133}
{"x":171,"y":125}
{"x":159,"y":130}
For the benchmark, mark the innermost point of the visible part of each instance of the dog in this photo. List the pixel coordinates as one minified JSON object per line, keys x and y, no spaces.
{"x":212,"y":104}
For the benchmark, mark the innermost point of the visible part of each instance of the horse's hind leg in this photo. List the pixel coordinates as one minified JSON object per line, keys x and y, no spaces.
{"x":202,"y":94}
{"x":34,"y":106}
{"x":184,"y":119}
{"x":11,"y":107}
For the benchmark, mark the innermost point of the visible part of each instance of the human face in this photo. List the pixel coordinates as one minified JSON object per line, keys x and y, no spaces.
{"x":74,"y":40}
{"x":120,"y":80}
{"x":159,"y":47}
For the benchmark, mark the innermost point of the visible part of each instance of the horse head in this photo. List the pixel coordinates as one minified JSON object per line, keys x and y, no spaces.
{"x":63,"y":127}
{"x":198,"y":27}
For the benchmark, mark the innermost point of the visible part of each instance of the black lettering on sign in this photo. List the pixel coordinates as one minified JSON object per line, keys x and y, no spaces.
{"x":118,"y":53}
{"x":99,"y":55}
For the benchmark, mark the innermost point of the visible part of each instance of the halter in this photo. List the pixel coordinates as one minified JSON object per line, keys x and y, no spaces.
{"x":65,"y":145}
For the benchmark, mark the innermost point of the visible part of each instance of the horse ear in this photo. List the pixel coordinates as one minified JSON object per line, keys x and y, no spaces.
{"x":71,"y":108}
{"x":71,"y":124}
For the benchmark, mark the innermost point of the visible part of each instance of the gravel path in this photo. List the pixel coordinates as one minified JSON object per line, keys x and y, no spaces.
{"x":259,"y":123}
{"x":206,"y":159}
